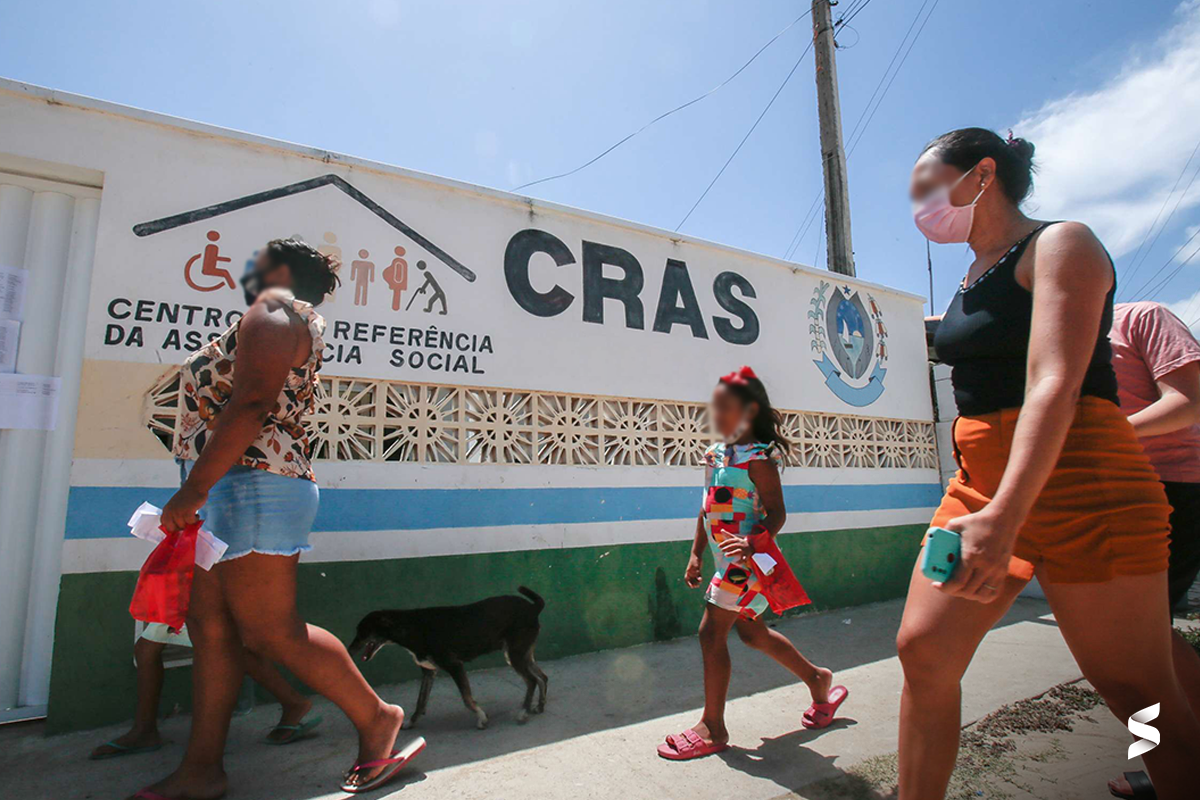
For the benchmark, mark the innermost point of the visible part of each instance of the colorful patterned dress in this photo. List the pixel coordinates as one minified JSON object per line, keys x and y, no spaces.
{"x":731,"y":508}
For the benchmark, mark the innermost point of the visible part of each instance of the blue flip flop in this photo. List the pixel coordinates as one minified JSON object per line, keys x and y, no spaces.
{"x":297,"y":732}
{"x":120,"y":750}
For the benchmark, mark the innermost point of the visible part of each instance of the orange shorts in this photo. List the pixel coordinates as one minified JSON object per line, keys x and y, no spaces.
{"x":1102,"y":513}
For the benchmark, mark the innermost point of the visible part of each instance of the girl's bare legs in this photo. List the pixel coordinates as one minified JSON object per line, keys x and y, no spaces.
{"x":144,"y":733}
{"x":294,"y":705}
{"x":714,"y":647}
{"x":261,"y":592}
{"x":756,"y":634}
{"x":1120,"y":634}
{"x":216,"y":677}
{"x":938,"y":638}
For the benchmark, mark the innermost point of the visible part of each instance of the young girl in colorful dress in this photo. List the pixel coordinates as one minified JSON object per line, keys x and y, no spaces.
{"x":743,"y":511}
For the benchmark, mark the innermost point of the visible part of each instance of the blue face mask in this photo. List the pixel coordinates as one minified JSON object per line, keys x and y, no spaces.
{"x":252,"y":283}
{"x":252,"y":286}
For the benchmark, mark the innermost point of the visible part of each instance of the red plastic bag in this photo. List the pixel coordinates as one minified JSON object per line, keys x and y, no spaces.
{"x":164,"y":585}
{"x":781,"y":586}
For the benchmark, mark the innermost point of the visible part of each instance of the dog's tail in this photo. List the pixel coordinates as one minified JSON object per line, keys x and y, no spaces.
{"x":533,"y":597}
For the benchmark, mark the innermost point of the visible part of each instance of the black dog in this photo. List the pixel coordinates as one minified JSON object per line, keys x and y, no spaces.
{"x":449,"y":636}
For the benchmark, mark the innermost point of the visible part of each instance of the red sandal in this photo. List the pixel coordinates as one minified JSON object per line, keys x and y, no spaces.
{"x":688,"y":745}
{"x":820,"y":715}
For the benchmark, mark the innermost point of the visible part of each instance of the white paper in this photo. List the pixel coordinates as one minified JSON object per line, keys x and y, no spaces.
{"x":29,"y":401}
{"x":145,"y":522}
{"x":10,"y":334}
{"x":12,"y":292}
{"x":765,"y":562}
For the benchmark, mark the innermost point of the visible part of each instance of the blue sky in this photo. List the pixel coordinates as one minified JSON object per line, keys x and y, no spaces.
{"x":501,"y":92}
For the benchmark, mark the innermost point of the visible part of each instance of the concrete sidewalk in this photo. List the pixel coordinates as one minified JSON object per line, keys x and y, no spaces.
{"x":606,"y":714}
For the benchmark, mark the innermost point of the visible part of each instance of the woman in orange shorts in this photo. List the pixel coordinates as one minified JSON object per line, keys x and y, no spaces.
{"x":1049,"y":469}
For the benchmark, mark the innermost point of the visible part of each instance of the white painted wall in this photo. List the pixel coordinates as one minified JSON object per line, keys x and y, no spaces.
{"x":48,"y":228}
{"x":154,"y":169}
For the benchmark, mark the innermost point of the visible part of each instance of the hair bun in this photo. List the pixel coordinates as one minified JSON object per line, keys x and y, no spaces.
{"x":1022,"y":147}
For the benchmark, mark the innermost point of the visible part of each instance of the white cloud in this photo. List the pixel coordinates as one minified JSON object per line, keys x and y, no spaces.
{"x":1110,"y":156}
{"x":1188,"y":310}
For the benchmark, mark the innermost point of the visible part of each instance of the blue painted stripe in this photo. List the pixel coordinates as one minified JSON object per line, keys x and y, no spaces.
{"x":95,"y":512}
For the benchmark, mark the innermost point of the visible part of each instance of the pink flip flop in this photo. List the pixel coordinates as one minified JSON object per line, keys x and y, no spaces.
{"x":688,"y":745}
{"x":396,"y":762}
{"x":820,"y":715}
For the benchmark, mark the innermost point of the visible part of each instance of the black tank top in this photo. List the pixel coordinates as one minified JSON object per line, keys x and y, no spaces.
{"x":984,"y":337}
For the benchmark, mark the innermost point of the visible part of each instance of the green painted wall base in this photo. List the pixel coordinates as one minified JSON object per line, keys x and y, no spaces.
{"x":597,"y":598}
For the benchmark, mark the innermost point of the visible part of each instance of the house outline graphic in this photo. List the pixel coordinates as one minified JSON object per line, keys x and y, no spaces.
{"x":218,"y":209}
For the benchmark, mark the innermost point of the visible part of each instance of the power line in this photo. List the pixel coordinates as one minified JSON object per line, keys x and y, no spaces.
{"x":1188,"y":311}
{"x":846,"y":12}
{"x":1173,"y":273}
{"x":1134,"y":263}
{"x":807,"y":221}
{"x":899,"y":67}
{"x":663,"y":116}
{"x":799,"y":236}
{"x":809,"y":218}
{"x":738,"y":149}
{"x":887,"y":70}
{"x":1161,"y":284}
{"x":851,"y":13}
{"x":820,"y":238}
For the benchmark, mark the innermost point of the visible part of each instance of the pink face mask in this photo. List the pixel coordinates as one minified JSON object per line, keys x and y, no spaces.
{"x":941,"y":221}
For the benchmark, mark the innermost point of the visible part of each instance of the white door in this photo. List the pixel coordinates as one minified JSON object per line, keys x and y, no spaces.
{"x":48,"y":216}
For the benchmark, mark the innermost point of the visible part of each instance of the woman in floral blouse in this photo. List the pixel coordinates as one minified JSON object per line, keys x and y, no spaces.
{"x":244,"y":457}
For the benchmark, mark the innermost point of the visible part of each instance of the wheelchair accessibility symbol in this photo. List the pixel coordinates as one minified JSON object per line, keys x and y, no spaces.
{"x":210,"y":266}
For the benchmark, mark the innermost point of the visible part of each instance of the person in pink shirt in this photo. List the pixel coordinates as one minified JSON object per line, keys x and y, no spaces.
{"x":1157,"y":361}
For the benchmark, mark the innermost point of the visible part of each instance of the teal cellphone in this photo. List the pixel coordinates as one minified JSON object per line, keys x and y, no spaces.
{"x":943,"y":549}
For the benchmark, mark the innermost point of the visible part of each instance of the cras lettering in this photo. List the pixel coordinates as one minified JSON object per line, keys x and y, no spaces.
{"x":676,"y":305}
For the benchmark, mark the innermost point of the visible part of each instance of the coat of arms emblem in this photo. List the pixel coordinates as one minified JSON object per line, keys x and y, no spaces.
{"x":850,"y":330}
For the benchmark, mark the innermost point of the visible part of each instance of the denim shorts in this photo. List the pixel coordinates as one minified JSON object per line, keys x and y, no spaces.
{"x":255,"y":511}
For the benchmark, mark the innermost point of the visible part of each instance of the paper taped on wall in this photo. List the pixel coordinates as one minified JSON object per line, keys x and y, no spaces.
{"x":10,"y":335}
{"x":12,"y":292}
{"x":29,"y":401}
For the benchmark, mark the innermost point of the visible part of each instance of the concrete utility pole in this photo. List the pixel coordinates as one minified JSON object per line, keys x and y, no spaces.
{"x":840,"y":252}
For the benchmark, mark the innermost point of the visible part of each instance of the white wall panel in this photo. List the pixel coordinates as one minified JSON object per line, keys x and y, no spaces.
{"x":41,"y":232}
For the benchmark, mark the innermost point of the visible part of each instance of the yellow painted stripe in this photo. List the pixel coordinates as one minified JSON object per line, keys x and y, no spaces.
{"x":110,"y":411}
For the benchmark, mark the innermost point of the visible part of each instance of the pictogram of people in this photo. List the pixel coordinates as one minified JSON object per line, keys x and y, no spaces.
{"x":210,"y":266}
{"x":330,"y":248}
{"x":436,"y":296}
{"x":362,"y":272}
{"x":395,"y":275}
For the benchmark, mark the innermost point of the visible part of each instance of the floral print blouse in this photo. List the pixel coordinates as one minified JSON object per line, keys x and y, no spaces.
{"x":206,"y":384}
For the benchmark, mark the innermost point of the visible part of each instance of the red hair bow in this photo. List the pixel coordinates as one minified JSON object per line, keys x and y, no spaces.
{"x":739,"y":377}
